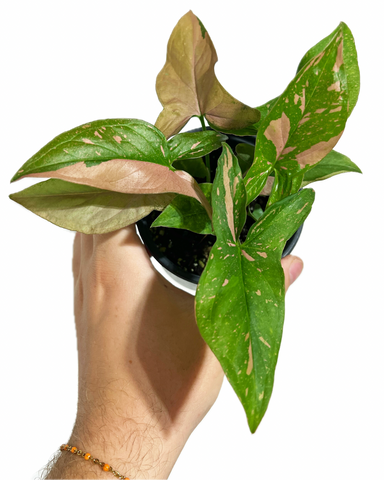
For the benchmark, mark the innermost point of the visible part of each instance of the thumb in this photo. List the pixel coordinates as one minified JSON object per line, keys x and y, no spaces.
{"x":292,"y":266}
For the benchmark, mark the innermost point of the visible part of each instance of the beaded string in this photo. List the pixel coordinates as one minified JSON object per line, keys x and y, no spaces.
{"x":88,"y":456}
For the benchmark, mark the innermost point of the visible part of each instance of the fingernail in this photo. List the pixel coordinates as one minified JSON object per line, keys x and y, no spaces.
{"x":295,"y":269}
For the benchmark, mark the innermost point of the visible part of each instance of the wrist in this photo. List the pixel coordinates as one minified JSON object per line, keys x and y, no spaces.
{"x":136,"y":452}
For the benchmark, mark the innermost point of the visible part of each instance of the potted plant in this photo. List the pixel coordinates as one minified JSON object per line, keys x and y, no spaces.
{"x":107,"y":174}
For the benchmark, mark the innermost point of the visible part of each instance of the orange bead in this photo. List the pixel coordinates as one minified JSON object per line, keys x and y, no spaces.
{"x":126,"y":478}
{"x":73,"y":449}
{"x":106,"y":467}
{"x":87,"y":456}
{"x":65,"y":447}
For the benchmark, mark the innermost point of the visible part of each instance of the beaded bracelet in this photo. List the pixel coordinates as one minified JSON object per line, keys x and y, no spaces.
{"x":88,"y":456}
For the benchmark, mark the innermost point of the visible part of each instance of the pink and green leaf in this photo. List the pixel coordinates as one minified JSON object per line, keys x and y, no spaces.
{"x":87,"y":209}
{"x":308,"y":119}
{"x":194,"y":144}
{"x":187,"y":85}
{"x":130,"y":176}
{"x":100,"y":141}
{"x":240,"y":297}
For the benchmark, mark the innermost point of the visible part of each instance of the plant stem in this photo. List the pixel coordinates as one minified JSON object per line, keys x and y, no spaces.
{"x":207,"y":159}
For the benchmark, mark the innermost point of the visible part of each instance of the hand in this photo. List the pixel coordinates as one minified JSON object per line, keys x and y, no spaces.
{"x":146,"y":376}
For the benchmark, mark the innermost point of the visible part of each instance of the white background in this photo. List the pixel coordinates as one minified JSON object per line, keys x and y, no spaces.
{"x":65,"y":63}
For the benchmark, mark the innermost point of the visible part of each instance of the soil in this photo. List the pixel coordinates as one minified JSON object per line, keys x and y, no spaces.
{"x":172,"y":242}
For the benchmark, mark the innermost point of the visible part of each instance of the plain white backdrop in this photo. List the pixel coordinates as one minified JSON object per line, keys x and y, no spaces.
{"x":67,"y":63}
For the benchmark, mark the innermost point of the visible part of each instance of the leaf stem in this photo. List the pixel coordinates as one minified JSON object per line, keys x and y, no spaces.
{"x":207,"y":159}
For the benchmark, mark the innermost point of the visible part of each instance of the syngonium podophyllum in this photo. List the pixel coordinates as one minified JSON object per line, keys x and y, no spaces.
{"x":108,"y":174}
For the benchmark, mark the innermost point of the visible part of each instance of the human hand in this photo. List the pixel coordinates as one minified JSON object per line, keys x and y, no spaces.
{"x":146,"y":376}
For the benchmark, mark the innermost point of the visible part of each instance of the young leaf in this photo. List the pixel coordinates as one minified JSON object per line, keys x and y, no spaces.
{"x":240,"y":296}
{"x":87,"y":209}
{"x":130,"y":176}
{"x":245,"y":154}
{"x":187,"y":213}
{"x":97,"y":142}
{"x":332,"y":164}
{"x":187,"y":85}
{"x":194,"y":166}
{"x":256,"y":213}
{"x":194,"y":144}
{"x":307,"y":120}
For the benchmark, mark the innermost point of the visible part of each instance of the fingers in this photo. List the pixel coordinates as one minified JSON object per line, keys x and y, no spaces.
{"x":292,"y":266}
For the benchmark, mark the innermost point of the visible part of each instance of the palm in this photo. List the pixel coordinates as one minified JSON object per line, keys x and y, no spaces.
{"x":140,"y":335}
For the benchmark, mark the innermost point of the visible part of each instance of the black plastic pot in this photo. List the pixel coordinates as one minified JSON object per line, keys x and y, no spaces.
{"x":186,"y":238}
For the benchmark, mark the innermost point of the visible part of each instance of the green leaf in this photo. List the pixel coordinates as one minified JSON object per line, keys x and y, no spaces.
{"x":306,"y":121}
{"x":194,"y":166}
{"x":87,"y":209}
{"x":240,"y":296}
{"x":194,"y":144}
{"x":332,"y":164}
{"x":245,"y":154}
{"x":187,"y":213}
{"x":97,"y":142}
{"x":187,"y":85}
{"x":350,"y":60}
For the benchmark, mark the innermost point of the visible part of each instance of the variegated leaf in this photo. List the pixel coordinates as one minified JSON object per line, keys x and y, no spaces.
{"x":99,"y":141}
{"x":87,"y":209}
{"x":130,"y":176}
{"x":305,"y":123}
{"x":194,"y":144}
{"x":187,"y":85}
{"x":240,"y":296}
{"x":186,"y":213}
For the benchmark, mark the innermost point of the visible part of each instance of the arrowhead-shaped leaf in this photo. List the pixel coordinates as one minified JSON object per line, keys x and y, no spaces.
{"x":306,"y":121}
{"x":187,"y":85}
{"x":87,"y":209}
{"x":187,"y":213}
{"x":240,"y":296}
{"x":332,"y":164}
{"x":194,"y":144}
{"x":97,"y":142}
